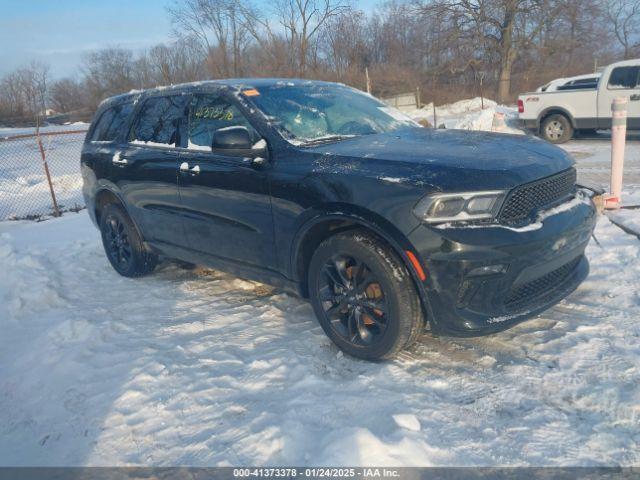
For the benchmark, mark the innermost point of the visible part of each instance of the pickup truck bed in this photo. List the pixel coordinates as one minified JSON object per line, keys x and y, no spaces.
{"x":556,"y":116}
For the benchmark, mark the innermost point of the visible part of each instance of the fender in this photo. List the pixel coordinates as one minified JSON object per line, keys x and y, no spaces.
{"x":562,"y":110}
{"x":371,"y":221}
{"x":102,"y":185}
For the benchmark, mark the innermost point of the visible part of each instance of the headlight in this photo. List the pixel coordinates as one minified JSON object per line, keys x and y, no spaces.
{"x":459,"y":207}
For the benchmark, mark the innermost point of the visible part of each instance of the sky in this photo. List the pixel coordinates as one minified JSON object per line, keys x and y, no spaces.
{"x":59,"y":32}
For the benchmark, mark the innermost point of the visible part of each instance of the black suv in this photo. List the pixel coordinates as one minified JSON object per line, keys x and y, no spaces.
{"x":321,"y":189}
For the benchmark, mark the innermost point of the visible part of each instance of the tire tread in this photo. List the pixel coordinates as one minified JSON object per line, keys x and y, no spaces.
{"x":411,"y":316}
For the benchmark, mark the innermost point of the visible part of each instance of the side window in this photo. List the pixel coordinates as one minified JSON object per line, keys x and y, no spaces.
{"x":103,"y":124}
{"x":624,"y":78}
{"x":119,"y":121}
{"x":208,"y":113}
{"x":111,"y":123}
{"x":160,"y":121}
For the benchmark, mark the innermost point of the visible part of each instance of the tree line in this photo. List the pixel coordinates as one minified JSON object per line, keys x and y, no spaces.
{"x":446,"y":48}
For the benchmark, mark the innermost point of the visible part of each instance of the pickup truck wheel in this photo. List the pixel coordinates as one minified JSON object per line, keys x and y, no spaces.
{"x":363,"y":296}
{"x":123,"y":245}
{"x":557,"y":129}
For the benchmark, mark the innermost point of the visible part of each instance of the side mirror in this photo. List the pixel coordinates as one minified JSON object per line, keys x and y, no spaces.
{"x":231,"y":139}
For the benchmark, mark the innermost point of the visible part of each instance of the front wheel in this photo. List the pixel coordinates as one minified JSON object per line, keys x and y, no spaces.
{"x":363,"y":296}
{"x":556,"y":129}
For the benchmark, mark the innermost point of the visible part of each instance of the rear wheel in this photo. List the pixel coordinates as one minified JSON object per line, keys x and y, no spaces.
{"x":556,"y":128}
{"x":363,"y":296}
{"x":123,"y":245}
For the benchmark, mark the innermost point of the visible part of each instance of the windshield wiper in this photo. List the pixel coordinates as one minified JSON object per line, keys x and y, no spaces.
{"x":327,"y":139}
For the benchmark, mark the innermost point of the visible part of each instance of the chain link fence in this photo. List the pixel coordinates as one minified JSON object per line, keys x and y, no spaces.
{"x":40,"y":174}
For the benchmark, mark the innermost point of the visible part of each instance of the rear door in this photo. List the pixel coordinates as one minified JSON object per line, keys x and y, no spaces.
{"x":227,"y":207}
{"x":105,"y":138}
{"x":624,"y":81}
{"x":146,"y":169}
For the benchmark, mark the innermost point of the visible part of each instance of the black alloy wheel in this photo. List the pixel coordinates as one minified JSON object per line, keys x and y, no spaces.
{"x":353,"y":300}
{"x":117,"y":246}
{"x":363,"y":296}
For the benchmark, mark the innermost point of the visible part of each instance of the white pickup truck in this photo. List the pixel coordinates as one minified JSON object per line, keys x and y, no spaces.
{"x":556,"y":116}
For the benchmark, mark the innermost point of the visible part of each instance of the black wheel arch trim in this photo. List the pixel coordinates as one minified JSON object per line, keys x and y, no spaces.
{"x":552,"y":110}
{"x":106,"y":186}
{"x":391,"y":235}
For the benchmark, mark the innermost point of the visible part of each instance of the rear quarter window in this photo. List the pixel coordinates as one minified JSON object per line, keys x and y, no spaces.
{"x":112,"y":123}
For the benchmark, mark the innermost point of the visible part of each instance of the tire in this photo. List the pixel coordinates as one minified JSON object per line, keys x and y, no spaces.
{"x":123,"y":245}
{"x":363,"y":296}
{"x":556,"y":129}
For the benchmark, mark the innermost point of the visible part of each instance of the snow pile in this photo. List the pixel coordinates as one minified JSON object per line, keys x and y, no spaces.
{"x":463,"y":107}
{"x":200,"y":368}
{"x":469,"y":115}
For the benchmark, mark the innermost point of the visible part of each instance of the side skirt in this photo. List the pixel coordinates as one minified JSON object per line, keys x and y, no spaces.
{"x":240,"y":270}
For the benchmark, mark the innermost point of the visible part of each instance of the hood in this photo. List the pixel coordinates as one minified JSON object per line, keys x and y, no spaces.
{"x":449,"y":160}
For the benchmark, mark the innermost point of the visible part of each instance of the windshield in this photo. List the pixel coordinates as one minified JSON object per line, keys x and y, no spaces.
{"x":311,"y":113}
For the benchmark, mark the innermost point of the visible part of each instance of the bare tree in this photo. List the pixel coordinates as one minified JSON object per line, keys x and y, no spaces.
{"x":24,"y":91}
{"x":624,"y":16}
{"x":502,"y":27}
{"x":218,"y":26}
{"x":179,"y":62}
{"x":109,"y":72}
{"x":301,"y":20}
{"x":447,"y":48}
{"x":344,"y":43}
{"x":13,"y":97}
{"x":67,"y":95}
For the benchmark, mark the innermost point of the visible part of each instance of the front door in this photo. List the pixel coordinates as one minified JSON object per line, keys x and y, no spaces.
{"x":226,"y":202}
{"x":623,"y":82}
{"x":146,"y":169}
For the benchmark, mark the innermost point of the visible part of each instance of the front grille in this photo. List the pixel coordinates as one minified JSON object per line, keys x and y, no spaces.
{"x":536,"y":290}
{"x":523,"y":201}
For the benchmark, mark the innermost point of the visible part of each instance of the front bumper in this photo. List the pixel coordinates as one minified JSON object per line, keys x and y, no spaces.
{"x":542,"y":264}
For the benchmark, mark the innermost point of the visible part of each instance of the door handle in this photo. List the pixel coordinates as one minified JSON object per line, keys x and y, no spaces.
{"x":254,"y":162}
{"x":117,"y":160}
{"x":635,"y":97}
{"x":184,"y":168}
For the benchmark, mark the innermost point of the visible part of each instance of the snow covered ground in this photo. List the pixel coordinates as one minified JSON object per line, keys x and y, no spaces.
{"x":10,"y":132}
{"x":200,"y":368}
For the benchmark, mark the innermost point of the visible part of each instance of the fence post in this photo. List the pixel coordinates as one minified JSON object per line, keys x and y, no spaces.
{"x":56,"y":210}
{"x":366,"y":74}
{"x":618,"y":142}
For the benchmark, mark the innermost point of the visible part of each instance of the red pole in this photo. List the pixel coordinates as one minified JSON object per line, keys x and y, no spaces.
{"x":56,"y":210}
